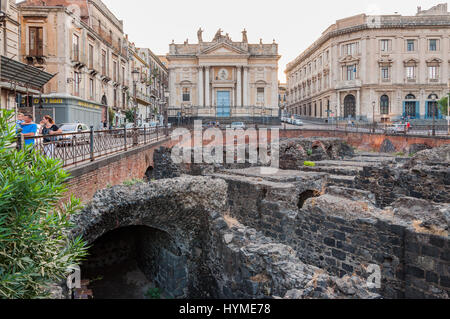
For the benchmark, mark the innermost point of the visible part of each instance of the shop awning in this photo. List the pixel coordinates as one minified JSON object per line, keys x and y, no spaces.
{"x":25,"y":75}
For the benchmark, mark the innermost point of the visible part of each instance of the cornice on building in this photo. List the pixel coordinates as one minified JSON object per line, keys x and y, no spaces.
{"x":373,"y":23}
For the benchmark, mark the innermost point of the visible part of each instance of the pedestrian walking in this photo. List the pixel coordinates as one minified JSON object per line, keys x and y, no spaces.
{"x":29,"y":129}
{"x":48,"y":129}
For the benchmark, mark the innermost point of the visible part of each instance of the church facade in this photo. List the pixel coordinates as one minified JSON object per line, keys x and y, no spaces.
{"x":223,"y":80}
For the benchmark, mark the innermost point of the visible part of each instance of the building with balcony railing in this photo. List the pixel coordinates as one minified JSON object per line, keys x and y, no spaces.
{"x":380,"y":68}
{"x":84,"y":44}
{"x":158,"y":78}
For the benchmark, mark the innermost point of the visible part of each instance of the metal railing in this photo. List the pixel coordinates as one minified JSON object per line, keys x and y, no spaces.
{"x":75,"y":148}
{"x":414,"y":130}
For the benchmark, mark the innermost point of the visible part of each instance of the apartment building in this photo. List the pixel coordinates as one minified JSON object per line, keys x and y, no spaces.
{"x":374,"y":68}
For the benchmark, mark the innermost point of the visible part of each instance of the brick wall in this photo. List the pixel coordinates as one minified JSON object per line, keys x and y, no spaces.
{"x":369,"y":142}
{"x":86,"y":180}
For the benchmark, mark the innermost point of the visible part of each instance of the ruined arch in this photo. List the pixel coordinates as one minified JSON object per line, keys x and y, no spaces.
{"x":178,"y":208}
{"x":129,"y":262}
{"x":304,"y":196}
{"x":149,"y":173}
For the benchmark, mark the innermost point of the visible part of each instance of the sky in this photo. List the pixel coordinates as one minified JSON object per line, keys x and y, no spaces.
{"x":294,"y":24}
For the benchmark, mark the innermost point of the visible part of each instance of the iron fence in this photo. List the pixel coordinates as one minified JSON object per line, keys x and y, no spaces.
{"x":414,"y":130}
{"x":80,"y":147}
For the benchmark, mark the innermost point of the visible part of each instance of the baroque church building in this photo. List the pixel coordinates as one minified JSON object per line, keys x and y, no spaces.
{"x":223,"y":80}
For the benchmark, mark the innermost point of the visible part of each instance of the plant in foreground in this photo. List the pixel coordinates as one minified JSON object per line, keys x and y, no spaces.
{"x":35,"y":247}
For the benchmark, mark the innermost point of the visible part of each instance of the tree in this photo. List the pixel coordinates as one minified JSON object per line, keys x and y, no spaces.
{"x":112,"y":116}
{"x":35,"y":246}
{"x":129,"y":115}
{"x":443,"y":105}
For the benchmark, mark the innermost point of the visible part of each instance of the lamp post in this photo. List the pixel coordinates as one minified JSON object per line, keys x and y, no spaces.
{"x":336,"y":107}
{"x":373,"y":115}
{"x":433,"y":98}
{"x":166,"y":105}
{"x":448,"y":110}
{"x":135,"y":74}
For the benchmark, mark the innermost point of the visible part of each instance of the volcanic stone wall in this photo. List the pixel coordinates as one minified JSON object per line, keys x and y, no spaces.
{"x":388,"y":183}
{"x":344,"y":235}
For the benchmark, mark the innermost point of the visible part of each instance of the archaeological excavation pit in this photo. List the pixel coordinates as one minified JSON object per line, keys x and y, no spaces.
{"x":135,"y":262}
{"x":304,"y":232}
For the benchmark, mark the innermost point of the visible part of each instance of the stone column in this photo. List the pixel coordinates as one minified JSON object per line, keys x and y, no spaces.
{"x":207,"y":89}
{"x":245,"y":86}
{"x":239,"y":87}
{"x":201,"y":101}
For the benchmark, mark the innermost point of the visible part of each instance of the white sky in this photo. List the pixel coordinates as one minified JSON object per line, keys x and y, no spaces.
{"x":294,"y":24}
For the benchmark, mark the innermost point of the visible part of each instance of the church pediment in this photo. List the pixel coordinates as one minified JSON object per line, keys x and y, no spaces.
{"x":223,"y":49}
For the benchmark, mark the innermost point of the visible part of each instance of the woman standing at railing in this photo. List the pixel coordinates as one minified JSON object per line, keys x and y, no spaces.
{"x":49,"y":128}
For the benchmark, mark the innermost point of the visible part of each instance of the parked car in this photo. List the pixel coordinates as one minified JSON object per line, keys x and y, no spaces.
{"x":211,"y":124}
{"x":397,"y":129}
{"x":71,"y":128}
{"x":297,"y":122}
{"x":237,"y":125}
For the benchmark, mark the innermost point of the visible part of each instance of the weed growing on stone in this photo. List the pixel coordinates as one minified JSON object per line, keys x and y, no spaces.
{"x":133,"y":182}
{"x":153,"y":293}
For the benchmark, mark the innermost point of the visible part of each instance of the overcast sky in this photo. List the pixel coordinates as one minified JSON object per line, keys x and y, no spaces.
{"x":294,"y":24}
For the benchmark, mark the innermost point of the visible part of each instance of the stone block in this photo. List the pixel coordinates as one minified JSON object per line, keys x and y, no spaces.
{"x":330,"y":242}
{"x":339,"y":235}
{"x":339,"y":254}
{"x":431,"y":251}
{"x":431,"y":277}
{"x":415,"y":272}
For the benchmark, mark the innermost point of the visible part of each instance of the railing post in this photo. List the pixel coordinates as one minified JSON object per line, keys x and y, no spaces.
{"x":125,"y":138}
{"x":135,"y":137}
{"x":20,"y":141}
{"x":145,"y":135}
{"x":91,"y":138}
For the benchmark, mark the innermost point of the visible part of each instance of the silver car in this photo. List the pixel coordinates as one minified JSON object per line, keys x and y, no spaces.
{"x":238,"y":125}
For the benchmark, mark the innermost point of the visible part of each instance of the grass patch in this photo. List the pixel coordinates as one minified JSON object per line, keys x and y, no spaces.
{"x":133,"y":182}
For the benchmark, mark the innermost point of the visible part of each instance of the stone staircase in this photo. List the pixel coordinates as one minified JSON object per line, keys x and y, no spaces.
{"x":343,"y":172}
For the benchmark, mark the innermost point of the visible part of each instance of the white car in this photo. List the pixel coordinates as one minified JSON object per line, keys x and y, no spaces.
{"x":71,"y":128}
{"x":237,"y":125}
{"x":397,"y":129}
{"x":297,"y":122}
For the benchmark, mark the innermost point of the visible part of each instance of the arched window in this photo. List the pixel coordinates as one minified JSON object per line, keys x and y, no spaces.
{"x":384,"y":105}
{"x":410,"y":97}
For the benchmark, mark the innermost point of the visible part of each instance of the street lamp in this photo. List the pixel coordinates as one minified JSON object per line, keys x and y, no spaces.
{"x":135,"y":74}
{"x":433,"y":98}
{"x":166,"y":100}
{"x":373,"y":115}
